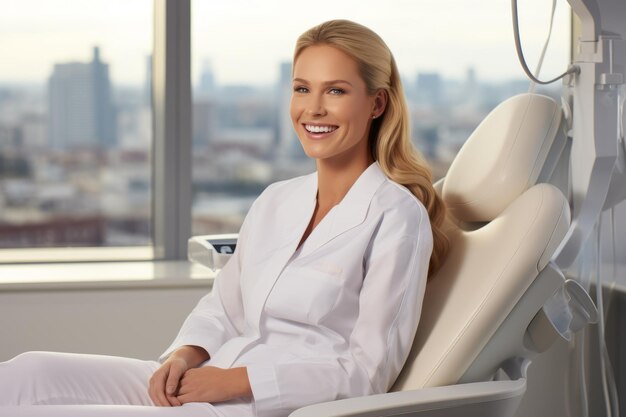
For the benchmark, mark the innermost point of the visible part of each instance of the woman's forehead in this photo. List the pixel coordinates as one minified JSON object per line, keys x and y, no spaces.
{"x":324,"y":63}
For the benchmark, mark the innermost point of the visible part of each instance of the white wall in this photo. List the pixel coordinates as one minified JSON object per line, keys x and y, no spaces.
{"x":138,"y":323}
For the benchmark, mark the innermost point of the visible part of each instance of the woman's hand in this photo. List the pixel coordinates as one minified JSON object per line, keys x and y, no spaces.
{"x":211,"y":384}
{"x":165,"y":380}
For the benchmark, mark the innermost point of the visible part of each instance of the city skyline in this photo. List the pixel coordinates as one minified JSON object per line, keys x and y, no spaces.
{"x":423,"y":37}
{"x":75,"y":187}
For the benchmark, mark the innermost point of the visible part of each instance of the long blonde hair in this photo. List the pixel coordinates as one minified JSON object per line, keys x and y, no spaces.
{"x":389,"y":138}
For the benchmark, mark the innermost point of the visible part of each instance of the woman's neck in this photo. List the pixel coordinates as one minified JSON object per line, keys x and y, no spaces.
{"x":335,"y":179}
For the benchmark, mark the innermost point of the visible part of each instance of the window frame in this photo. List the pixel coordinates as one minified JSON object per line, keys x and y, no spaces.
{"x":171,"y":101}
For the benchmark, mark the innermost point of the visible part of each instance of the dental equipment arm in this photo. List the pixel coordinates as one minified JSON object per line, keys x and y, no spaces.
{"x":602,"y":60}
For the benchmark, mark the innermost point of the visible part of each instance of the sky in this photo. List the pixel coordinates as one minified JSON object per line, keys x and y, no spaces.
{"x":243,"y":41}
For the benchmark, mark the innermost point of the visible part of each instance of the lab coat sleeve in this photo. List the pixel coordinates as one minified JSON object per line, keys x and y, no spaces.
{"x":390,"y":302}
{"x":219,"y":315}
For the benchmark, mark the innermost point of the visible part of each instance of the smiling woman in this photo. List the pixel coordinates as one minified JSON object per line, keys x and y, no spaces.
{"x":325,"y":309}
{"x":340,"y":52}
{"x":455,"y":67}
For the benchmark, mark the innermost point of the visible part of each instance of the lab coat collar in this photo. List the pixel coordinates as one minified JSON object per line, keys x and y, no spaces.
{"x":349,"y":213}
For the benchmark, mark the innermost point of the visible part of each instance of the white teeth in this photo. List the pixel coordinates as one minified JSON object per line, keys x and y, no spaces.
{"x":319,"y":129}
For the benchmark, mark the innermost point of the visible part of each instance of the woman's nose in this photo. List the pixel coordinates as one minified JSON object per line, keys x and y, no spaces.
{"x":315,"y":106}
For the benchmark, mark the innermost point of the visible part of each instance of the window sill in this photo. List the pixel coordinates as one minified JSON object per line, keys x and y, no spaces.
{"x":76,"y":254}
{"x":104,"y":275}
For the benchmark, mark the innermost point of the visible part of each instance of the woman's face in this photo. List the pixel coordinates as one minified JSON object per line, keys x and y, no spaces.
{"x":330,"y":108}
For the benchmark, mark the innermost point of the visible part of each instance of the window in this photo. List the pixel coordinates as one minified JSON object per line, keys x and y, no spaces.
{"x":457,"y":60}
{"x":75,"y":125}
{"x":85,"y":164}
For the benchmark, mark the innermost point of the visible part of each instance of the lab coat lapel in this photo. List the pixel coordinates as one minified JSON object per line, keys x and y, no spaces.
{"x":349,"y":213}
{"x":294,"y":214}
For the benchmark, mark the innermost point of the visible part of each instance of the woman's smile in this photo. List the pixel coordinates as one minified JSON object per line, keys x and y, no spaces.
{"x":319,"y":131}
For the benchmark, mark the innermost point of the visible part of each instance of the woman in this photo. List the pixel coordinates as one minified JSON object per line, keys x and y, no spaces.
{"x":322,"y":297}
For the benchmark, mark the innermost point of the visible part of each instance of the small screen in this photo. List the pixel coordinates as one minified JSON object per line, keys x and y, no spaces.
{"x":224,"y":246}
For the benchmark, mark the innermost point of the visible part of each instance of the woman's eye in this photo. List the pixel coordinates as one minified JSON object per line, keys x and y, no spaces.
{"x":336,"y":91}
{"x":300,"y":89}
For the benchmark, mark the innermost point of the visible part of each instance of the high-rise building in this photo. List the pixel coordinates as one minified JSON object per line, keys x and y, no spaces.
{"x":429,"y":88}
{"x":204,"y":121}
{"x":81,"y":111}
{"x":471,"y":85}
{"x":206,"y":86}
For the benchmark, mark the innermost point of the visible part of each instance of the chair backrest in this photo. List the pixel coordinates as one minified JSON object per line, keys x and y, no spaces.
{"x":503,"y":231}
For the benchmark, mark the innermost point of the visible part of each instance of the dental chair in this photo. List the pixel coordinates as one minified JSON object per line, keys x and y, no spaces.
{"x":483,"y":317}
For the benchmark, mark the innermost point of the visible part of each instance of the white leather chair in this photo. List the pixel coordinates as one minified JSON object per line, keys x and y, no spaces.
{"x":483,"y":318}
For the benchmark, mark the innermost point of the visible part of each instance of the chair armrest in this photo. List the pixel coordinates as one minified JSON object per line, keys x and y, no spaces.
{"x":484,"y":399}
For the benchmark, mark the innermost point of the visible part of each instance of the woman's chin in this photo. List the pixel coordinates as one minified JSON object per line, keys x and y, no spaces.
{"x":313,"y":153}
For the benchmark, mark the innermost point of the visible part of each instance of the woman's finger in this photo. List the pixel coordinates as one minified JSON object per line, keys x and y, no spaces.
{"x":173,"y":379}
{"x":185,"y":398}
{"x":177,"y":370}
{"x":157,"y":389}
{"x":183,"y":388}
{"x":174,"y":401}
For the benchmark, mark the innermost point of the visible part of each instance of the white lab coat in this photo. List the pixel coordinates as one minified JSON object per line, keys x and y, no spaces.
{"x":335,"y":318}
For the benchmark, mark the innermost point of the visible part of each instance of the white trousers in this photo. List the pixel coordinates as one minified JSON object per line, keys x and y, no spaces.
{"x":38,"y":384}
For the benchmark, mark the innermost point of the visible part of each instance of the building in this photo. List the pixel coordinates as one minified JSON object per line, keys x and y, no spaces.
{"x":206,"y":86}
{"x":429,"y":88}
{"x":80,"y":105}
{"x":204,"y":121}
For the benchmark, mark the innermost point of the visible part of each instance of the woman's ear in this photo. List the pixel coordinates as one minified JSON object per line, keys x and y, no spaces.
{"x":380,"y":102}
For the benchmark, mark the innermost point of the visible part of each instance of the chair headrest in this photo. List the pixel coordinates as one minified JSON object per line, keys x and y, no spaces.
{"x":502,"y":158}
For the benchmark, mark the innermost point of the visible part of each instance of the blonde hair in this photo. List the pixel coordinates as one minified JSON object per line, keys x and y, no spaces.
{"x":389,"y":138}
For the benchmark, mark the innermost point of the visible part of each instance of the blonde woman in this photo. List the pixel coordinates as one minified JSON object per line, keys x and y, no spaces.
{"x":322,"y":297}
